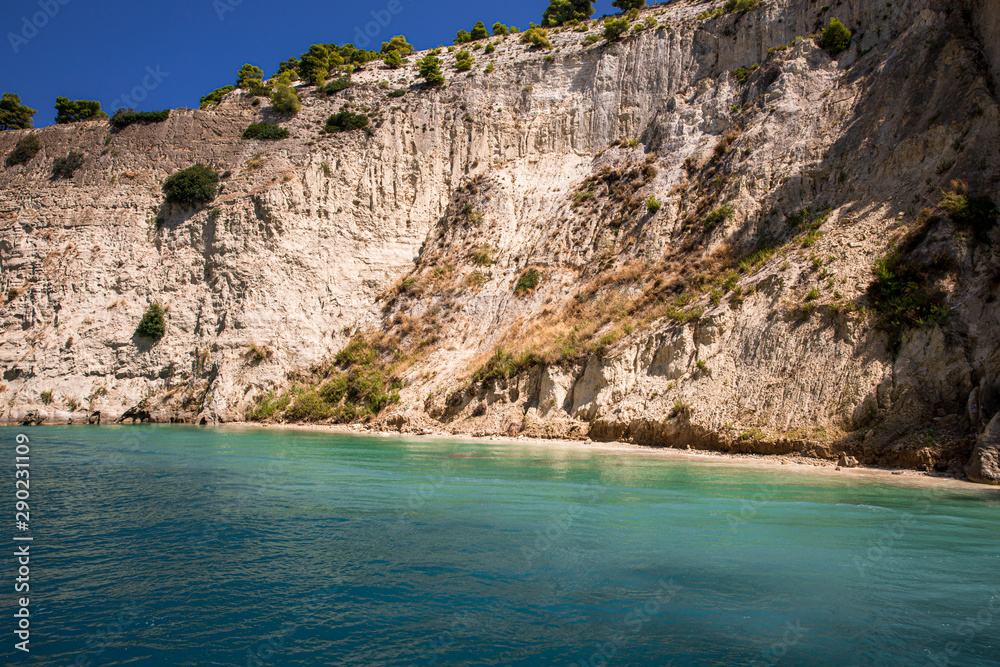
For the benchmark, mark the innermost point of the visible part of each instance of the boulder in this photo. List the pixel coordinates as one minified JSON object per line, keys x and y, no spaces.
{"x":984,"y":466}
{"x":846,"y":461}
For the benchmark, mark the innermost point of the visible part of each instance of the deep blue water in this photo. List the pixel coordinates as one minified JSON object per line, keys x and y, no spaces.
{"x":191,"y":546}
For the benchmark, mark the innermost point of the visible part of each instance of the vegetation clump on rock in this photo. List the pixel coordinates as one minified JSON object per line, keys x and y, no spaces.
{"x":265,"y":132}
{"x":977,"y":214}
{"x":125,"y":117}
{"x":836,"y":37}
{"x":430,"y":70}
{"x":528,"y":281}
{"x":614,"y":29}
{"x":285,"y":99}
{"x":360,"y":383}
{"x":26,"y":148}
{"x":464,"y":61}
{"x":198,"y":184}
{"x":345,"y":121}
{"x":65,"y":167}
{"x":536,"y":36}
{"x":216,"y":96}
{"x":153,"y":324}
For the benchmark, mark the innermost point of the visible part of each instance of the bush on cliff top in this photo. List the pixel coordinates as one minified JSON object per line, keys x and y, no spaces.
{"x":125,"y":117}
{"x":562,"y":11}
{"x":216,"y":96}
{"x":13,"y":114}
{"x":77,"y":111}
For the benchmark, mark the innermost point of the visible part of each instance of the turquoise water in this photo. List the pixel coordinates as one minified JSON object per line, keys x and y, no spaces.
{"x":191,"y":546}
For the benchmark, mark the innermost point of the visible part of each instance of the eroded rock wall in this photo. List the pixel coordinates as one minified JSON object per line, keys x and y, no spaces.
{"x":309,"y":231}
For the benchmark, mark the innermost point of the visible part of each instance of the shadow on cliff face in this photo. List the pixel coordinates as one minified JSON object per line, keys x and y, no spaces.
{"x":914,"y":139}
{"x":172,"y":215}
{"x":901,"y":146}
{"x":142,"y":343}
{"x":911,"y":139}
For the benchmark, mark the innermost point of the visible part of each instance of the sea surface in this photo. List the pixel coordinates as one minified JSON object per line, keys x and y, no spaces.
{"x":168,"y":545}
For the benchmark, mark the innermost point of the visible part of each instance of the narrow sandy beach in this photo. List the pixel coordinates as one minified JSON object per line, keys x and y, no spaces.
{"x":777,"y":462}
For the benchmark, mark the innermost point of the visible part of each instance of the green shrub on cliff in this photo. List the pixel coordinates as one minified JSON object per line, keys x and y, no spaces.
{"x":977,"y":214}
{"x":626,"y":5}
{"x":397,"y":44}
{"x":528,"y":281}
{"x":536,"y":37}
{"x":153,"y":324}
{"x":345,"y":121}
{"x":26,"y":148}
{"x":358,"y":385}
{"x":339,"y":84}
{"x":479,"y":31}
{"x":836,"y":37}
{"x":503,"y":365}
{"x":250,"y":77}
{"x":125,"y":117}
{"x":615,"y":28}
{"x":265,"y":132}
{"x":393,"y":60}
{"x":430,"y":70}
{"x":285,"y":99}
{"x":216,"y":96}
{"x":464,"y":61}
{"x":195,"y":185}
{"x":65,"y":167}
{"x":902,"y":297}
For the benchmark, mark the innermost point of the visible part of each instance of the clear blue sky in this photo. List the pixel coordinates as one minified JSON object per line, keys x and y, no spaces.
{"x":102,"y":49}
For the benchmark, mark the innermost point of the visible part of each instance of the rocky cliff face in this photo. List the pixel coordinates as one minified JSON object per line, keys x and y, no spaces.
{"x":685,"y":296}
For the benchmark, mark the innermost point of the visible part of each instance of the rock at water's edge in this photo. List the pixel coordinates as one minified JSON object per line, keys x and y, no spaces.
{"x":984,"y":466}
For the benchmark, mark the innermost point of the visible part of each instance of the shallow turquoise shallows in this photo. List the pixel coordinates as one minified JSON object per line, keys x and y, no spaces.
{"x":161,"y":545}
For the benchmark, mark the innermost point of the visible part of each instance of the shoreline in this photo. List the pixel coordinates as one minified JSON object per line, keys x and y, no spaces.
{"x":779,"y":462}
{"x":783,"y":462}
